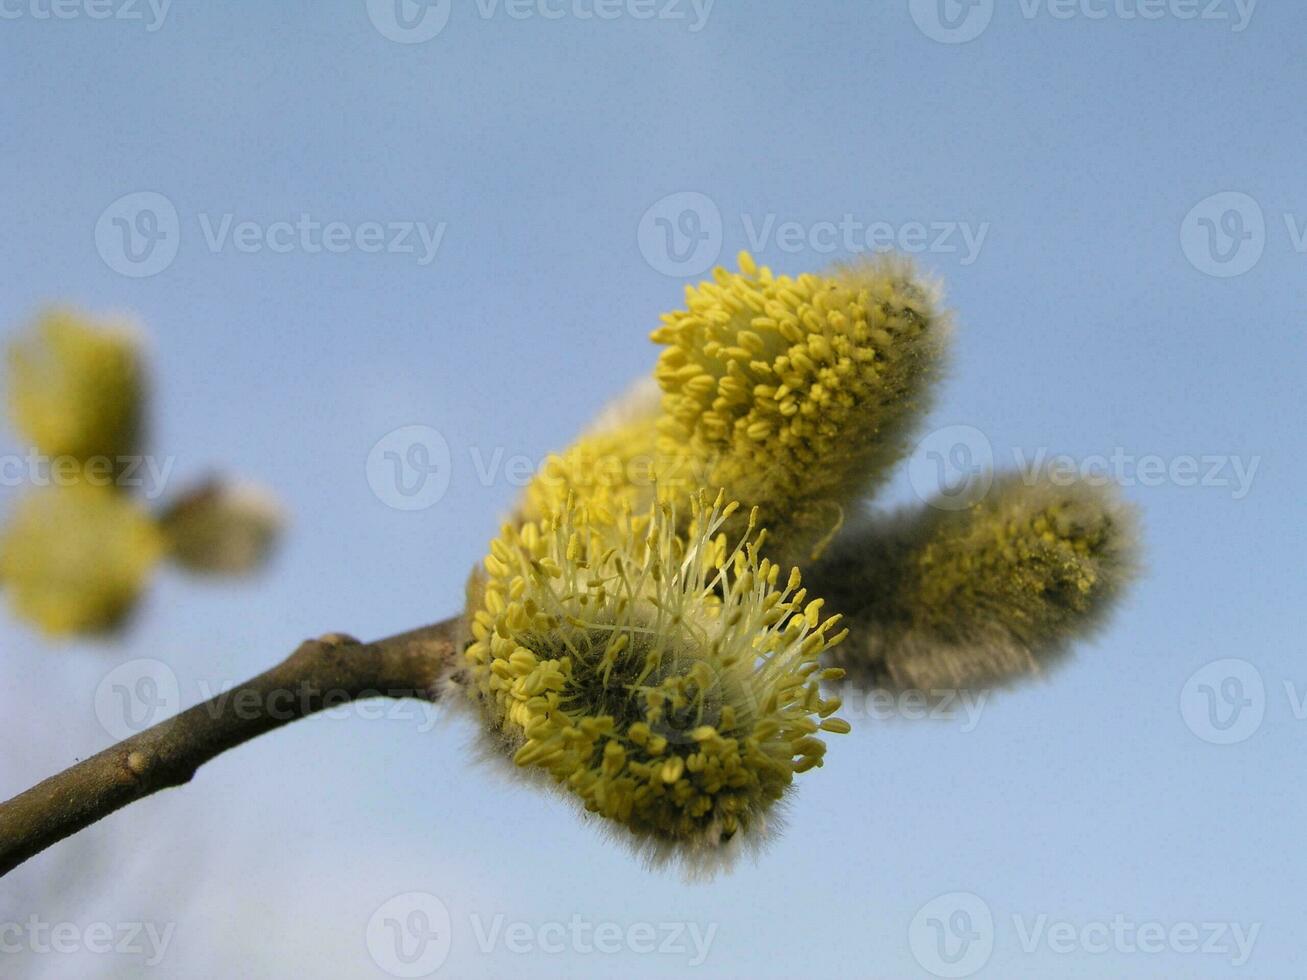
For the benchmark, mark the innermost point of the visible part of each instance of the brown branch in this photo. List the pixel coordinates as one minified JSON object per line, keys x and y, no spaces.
{"x":322,"y":673}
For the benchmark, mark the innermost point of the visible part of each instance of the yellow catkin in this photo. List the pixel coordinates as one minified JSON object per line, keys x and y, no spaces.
{"x":795,"y":394}
{"x":945,"y":599}
{"x":668,"y":687}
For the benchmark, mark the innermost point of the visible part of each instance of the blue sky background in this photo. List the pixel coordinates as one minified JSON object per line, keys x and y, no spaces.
{"x":1097,"y":316}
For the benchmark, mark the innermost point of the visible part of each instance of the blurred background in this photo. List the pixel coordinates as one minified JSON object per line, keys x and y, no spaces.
{"x":442,"y":232}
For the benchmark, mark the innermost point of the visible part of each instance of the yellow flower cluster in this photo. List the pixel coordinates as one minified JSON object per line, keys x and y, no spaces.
{"x":670,"y":683}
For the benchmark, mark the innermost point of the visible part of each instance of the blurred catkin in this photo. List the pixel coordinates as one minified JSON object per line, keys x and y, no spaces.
{"x":222,"y":529}
{"x":77,"y":389}
{"x":75,"y":558}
